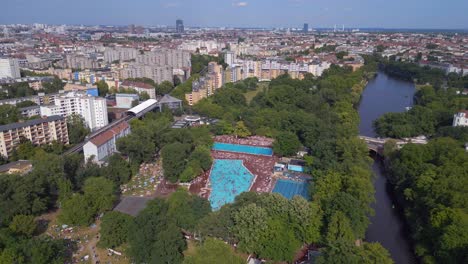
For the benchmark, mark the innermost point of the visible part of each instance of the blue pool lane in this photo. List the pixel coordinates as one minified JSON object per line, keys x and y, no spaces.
{"x":242,"y":149}
{"x":228,"y":179}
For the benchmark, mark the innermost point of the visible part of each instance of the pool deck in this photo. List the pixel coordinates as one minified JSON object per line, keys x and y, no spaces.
{"x":260,"y":166}
{"x":256,"y":141}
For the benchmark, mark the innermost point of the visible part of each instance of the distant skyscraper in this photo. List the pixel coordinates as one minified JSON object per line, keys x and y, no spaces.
{"x":306,"y":28}
{"x":179,"y":26}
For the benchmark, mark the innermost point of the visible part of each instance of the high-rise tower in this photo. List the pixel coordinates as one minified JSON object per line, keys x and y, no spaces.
{"x":179,"y":26}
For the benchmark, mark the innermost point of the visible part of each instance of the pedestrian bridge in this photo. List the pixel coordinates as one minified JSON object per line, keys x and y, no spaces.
{"x":377,"y":144}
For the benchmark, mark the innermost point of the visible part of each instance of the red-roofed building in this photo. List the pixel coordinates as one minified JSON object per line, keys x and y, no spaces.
{"x":101,"y":147}
{"x":140,"y":87}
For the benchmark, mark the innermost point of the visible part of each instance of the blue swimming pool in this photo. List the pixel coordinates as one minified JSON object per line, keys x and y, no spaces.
{"x":228,"y":179}
{"x":289,"y":188}
{"x":243,"y":149}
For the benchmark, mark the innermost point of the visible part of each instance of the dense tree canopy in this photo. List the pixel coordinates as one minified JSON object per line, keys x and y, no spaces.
{"x":77,"y":129}
{"x":9,"y":114}
{"x":321,"y":115}
{"x":114,"y":229}
{"x":431,"y":181}
{"x":156,"y":233}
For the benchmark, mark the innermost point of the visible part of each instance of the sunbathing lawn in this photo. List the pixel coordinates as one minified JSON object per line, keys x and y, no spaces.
{"x":251,"y":94}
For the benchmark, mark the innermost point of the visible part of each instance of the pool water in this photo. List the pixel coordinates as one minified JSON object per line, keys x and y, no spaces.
{"x":228,"y":179}
{"x":289,"y":188}
{"x":243,"y":149}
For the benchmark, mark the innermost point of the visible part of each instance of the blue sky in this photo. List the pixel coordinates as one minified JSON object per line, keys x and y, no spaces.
{"x":243,"y":13}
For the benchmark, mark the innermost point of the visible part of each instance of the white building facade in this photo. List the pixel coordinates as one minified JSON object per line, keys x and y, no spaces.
{"x":9,"y":68}
{"x":101,"y":147}
{"x":92,"y":109}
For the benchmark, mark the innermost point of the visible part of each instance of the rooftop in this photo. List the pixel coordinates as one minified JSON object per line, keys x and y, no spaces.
{"x":109,"y":134}
{"x":137,"y":84}
{"x":30,"y":123}
{"x":169,"y":99}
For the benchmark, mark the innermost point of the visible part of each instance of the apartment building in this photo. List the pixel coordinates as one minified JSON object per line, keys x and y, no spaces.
{"x":40,"y":131}
{"x":158,"y":74}
{"x":92,"y":109}
{"x":101,"y":147}
{"x":201,"y":88}
{"x":177,"y":59}
{"x":120,"y":54}
{"x":140,"y":88}
{"x":9,"y":68}
{"x":76,"y":61}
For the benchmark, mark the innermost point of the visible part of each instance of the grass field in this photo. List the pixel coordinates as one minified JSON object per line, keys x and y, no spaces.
{"x":251,"y":94}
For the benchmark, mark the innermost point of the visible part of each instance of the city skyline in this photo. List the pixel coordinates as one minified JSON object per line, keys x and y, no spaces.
{"x":416,"y":14}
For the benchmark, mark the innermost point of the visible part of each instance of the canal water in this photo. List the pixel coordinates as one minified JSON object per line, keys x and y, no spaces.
{"x":382,"y":95}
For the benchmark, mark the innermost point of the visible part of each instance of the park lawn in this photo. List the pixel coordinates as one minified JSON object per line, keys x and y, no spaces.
{"x":191,"y":247}
{"x":251,"y":94}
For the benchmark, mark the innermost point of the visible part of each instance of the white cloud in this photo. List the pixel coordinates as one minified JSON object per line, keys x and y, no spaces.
{"x":240,"y":4}
{"x":171,"y":5}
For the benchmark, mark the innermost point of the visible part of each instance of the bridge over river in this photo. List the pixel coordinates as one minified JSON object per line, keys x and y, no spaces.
{"x":377,"y":144}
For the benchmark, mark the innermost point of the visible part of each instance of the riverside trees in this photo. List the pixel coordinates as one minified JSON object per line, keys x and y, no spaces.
{"x":431,"y":181}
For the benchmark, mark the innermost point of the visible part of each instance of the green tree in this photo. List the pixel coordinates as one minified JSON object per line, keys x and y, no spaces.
{"x":144,"y":96}
{"x":174,"y":158}
{"x":278,"y":242}
{"x":286,"y":144}
{"x":118,"y":170}
{"x":23,"y":225}
{"x":164,"y":88}
{"x":9,"y":114}
{"x":250,"y":224}
{"x":24,"y":151}
{"x":100,"y":192}
{"x":114,"y":229}
{"x":169,"y":246}
{"x":77,"y":210}
{"x":374,"y":253}
{"x":185,"y":209}
{"x":340,"y":253}
{"x":26,"y":103}
{"x":202,"y":155}
{"x":339,"y":229}
{"x":103,"y":88}
{"x":54,"y":86}
{"x":77,"y":129}
{"x":241,"y":130}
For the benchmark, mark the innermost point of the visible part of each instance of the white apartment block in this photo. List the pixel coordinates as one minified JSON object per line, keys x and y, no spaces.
{"x":460,"y":119}
{"x":9,"y":68}
{"x":120,"y":54}
{"x":165,"y":57}
{"x":158,"y":74}
{"x":92,"y":109}
{"x":230,"y":58}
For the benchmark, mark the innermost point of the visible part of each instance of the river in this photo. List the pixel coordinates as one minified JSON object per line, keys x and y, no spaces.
{"x":384,"y":94}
